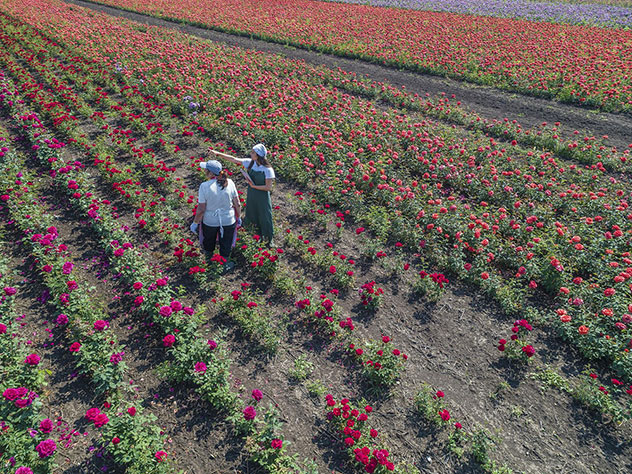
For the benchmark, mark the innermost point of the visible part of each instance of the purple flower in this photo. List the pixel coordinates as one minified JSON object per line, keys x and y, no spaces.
{"x":46,"y":425}
{"x":257,"y":395}
{"x":67,"y":268}
{"x":62,"y":319}
{"x":166,"y":311}
{"x":116,"y":357}
{"x":9,"y":290}
{"x":100,"y":325}
{"x":46,"y":448}
{"x":250,"y":413}
{"x":211,"y":344}
{"x":23,"y":470}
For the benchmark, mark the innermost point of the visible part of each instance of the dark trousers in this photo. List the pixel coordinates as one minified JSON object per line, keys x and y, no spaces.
{"x":225,"y":243}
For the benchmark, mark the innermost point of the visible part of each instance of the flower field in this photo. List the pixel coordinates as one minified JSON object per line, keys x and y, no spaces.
{"x":445,"y":291}
{"x":589,"y":13}
{"x":576,"y":64}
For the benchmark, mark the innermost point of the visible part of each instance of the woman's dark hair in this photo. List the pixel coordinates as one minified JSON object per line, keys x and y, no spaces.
{"x":222,"y":179}
{"x":261,"y":160}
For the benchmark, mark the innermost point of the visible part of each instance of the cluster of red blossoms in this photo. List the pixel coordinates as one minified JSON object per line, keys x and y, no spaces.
{"x":352,"y":425}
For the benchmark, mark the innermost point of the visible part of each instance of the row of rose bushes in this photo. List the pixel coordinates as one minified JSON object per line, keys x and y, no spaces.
{"x":533,"y":58}
{"x":496,"y":242}
{"x":196,"y":360}
{"x":26,"y":445}
{"x":93,"y":342}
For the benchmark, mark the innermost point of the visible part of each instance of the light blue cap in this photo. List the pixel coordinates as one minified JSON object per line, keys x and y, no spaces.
{"x":260,"y":150}
{"x":213,"y":166}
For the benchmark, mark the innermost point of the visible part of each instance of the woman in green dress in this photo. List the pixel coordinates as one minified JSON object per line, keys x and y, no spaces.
{"x":260,"y":176}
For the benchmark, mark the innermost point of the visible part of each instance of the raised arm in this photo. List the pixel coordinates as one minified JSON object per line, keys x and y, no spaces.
{"x":232,"y":159}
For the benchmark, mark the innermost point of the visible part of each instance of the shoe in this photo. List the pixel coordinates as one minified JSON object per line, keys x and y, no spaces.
{"x":229,"y":266}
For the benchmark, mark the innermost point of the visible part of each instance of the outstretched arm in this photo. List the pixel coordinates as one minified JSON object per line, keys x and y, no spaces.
{"x":231,"y":158}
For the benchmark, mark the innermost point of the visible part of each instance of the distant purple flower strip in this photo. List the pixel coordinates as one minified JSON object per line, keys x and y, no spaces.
{"x":584,"y":14}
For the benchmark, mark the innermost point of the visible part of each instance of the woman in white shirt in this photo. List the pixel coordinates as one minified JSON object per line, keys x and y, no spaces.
{"x":260,"y":177}
{"x":218,"y":210}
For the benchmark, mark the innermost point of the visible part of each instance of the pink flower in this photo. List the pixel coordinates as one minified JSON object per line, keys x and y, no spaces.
{"x":9,"y":290}
{"x":46,"y":425}
{"x":46,"y":448}
{"x":445,"y":415}
{"x":161,"y":282}
{"x":257,"y":395}
{"x":62,"y":319}
{"x":32,"y":359}
{"x":100,"y":325}
{"x":131,"y":411}
{"x":92,"y":413}
{"x":74,"y":347}
{"x":166,"y":311}
{"x":161,"y":456}
{"x":200,"y":367}
{"x":139,"y":300}
{"x":276,"y":443}
{"x":138,"y":285}
{"x":250,"y":413}
{"x":3,"y":329}
{"x":188,"y":311}
{"x":168,"y":340}
{"x":47,"y":268}
{"x":101,"y":420}
{"x":176,"y":305}
{"x":10,"y":394}
{"x":23,"y":470}
{"x":211,"y":344}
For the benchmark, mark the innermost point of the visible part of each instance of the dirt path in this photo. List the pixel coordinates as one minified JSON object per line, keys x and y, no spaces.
{"x":488,"y":102}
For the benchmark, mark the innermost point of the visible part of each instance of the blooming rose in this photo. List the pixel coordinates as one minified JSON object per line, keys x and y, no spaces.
{"x":75,"y":346}
{"x":211,"y":344}
{"x":23,"y":470}
{"x":62,"y":319}
{"x":116,"y":440}
{"x":100,"y":420}
{"x":100,"y":325}
{"x":166,"y":311}
{"x":131,"y":411}
{"x":257,"y":395}
{"x":276,"y":443}
{"x":46,"y":448}
{"x":46,"y":425}
{"x":92,"y":413}
{"x":250,"y":413}
{"x":168,"y":340}
{"x":3,"y":328}
{"x":9,"y":290}
{"x":32,"y":359}
{"x":200,"y":367}
{"x":445,"y":415}
{"x":161,"y":456}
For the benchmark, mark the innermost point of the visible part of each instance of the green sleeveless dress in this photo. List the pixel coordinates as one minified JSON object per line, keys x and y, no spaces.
{"x":259,"y":206}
